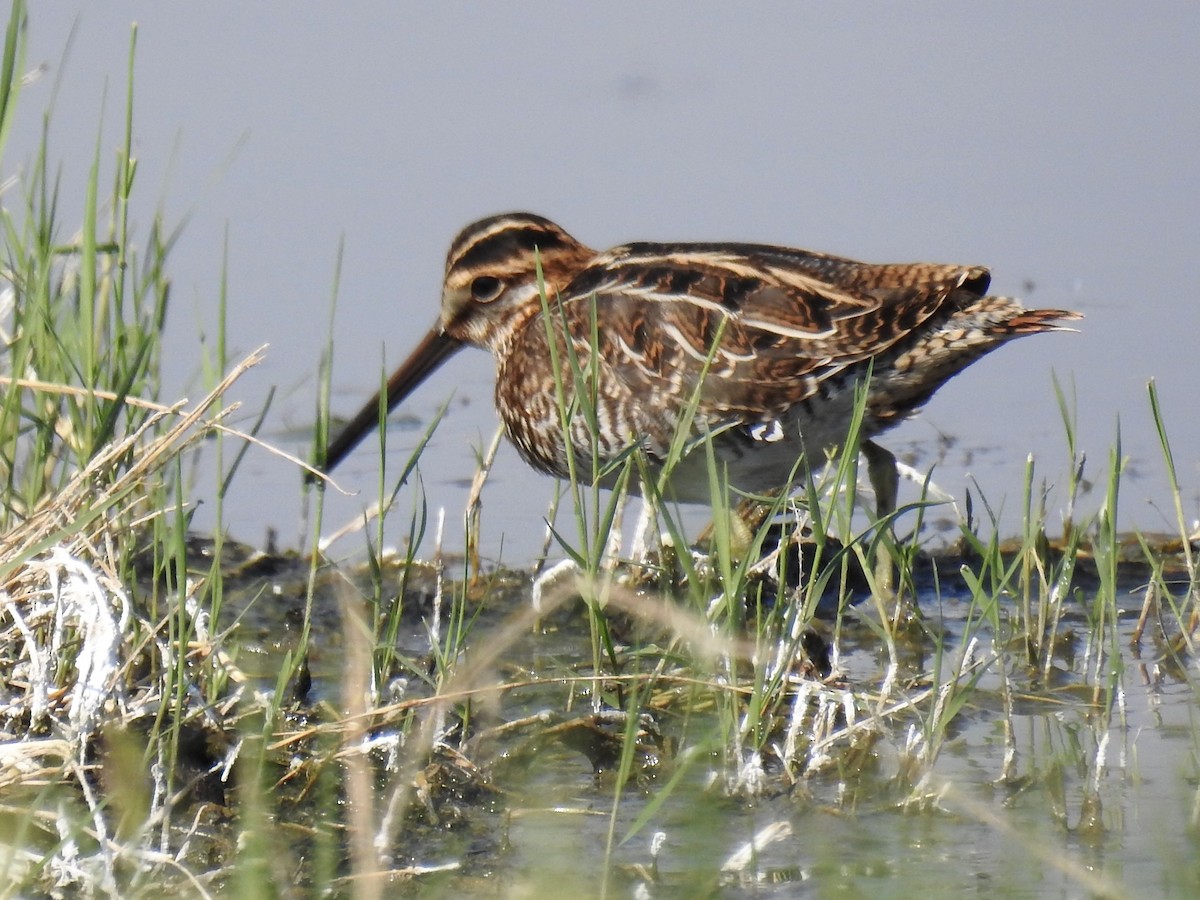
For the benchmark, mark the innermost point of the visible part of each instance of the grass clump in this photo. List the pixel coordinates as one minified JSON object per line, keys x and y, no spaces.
{"x":108,"y":655}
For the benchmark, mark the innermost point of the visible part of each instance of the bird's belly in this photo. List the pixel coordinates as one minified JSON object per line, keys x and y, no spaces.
{"x":757,"y":458}
{"x":752,"y":456}
{"x":768,"y":456}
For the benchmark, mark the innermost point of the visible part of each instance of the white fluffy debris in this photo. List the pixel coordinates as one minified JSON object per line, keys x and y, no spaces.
{"x":71,"y":619}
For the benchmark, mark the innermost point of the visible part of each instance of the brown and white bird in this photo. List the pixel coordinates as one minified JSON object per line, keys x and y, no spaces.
{"x":767,"y":343}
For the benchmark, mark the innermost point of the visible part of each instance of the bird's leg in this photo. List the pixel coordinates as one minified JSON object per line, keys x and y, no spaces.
{"x":646,"y":537}
{"x":885,"y":481}
{"x":612,"y":546}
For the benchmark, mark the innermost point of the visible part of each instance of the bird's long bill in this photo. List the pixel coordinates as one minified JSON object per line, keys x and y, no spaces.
{"x":434,"y":349}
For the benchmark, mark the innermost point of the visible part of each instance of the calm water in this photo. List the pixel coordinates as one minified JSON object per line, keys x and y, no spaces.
{"x":1056,"y":144}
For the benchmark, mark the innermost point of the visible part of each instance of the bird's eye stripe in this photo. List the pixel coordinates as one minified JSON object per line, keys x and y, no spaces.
{"x":504,"y":245}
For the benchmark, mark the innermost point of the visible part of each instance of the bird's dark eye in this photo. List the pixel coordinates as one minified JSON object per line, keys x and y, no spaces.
{"x":486,"y":288}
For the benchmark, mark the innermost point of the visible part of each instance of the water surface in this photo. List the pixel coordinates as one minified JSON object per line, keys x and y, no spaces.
{"x":1052,"y":143}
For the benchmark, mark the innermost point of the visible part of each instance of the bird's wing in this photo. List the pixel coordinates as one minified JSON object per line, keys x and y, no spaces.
{"x":767,"y":324}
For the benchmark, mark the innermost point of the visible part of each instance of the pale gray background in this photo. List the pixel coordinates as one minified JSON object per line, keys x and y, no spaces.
{"x":1055,"y":143}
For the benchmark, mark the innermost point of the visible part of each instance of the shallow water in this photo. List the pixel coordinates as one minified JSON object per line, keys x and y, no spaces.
{"x":1064,"y":817}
